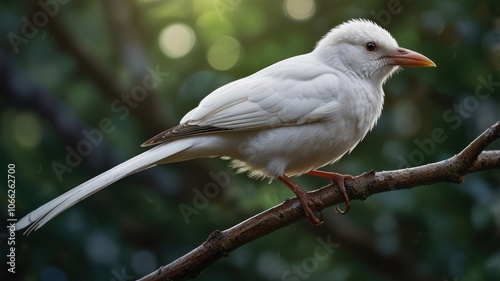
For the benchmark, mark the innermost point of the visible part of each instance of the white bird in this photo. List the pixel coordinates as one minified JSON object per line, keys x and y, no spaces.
{"x":287,"y":119}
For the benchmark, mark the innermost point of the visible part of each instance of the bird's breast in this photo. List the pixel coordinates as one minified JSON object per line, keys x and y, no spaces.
{"x":295,"y":150}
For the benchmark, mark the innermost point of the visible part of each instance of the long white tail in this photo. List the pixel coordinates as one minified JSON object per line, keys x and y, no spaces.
{"x":145,"y":160}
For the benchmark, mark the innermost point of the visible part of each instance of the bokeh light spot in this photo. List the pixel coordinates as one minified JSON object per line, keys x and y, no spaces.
{"x":177,"y":40}
{"x":27,"y":130}
{"x":224,"y":53}
{"x":102,"y":249}
{"x":52,"y":273}
{"x":433,"y":21}
{"x":144,"y":262}
{"x":299,"y":10}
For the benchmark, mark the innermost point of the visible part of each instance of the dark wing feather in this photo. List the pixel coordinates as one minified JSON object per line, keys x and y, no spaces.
{"x":180,"y":131}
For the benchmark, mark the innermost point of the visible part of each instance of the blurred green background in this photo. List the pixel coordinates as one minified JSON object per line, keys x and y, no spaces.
{"x":84,"y":83}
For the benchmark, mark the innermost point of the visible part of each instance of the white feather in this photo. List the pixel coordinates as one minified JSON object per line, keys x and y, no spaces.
{"x":294,"y":116}
{"x":140,"y":162}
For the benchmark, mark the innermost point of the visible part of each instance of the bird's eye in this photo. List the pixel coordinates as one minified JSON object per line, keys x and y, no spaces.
{"x":370,"y":46}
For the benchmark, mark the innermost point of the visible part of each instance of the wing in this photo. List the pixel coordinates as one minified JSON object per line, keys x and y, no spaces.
{"x":292,"y":92}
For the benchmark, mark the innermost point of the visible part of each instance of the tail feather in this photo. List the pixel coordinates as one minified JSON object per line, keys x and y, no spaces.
{"x":145,"y":160}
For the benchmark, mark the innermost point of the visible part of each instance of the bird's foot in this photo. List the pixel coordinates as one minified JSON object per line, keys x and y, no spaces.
{"x":308,"y":204}
{"x":339,"y":179}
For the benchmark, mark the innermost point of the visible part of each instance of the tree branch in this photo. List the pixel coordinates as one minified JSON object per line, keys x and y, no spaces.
{"x":222,"y":243}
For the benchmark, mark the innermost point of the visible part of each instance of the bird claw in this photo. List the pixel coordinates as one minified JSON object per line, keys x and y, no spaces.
{"x":342,"y":212}
{"x":340,"y":183}
{"x":309,"y":208}
{"x":315,"y":221}
{"x":308,"y":205}
{"x":339,"y":179}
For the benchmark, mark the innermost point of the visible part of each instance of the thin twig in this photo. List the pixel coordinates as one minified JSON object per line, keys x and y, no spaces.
{"x":222,"y":243}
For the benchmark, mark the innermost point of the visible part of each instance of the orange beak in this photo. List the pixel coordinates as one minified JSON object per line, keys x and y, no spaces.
{"x":405,"y":57}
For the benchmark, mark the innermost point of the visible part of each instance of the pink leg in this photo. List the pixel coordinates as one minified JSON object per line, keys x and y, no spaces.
{"x":339,"y":179}
{"x":307,"y":204}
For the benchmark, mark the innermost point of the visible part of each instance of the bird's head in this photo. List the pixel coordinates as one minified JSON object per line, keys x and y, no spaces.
{"x":365,"y":49}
